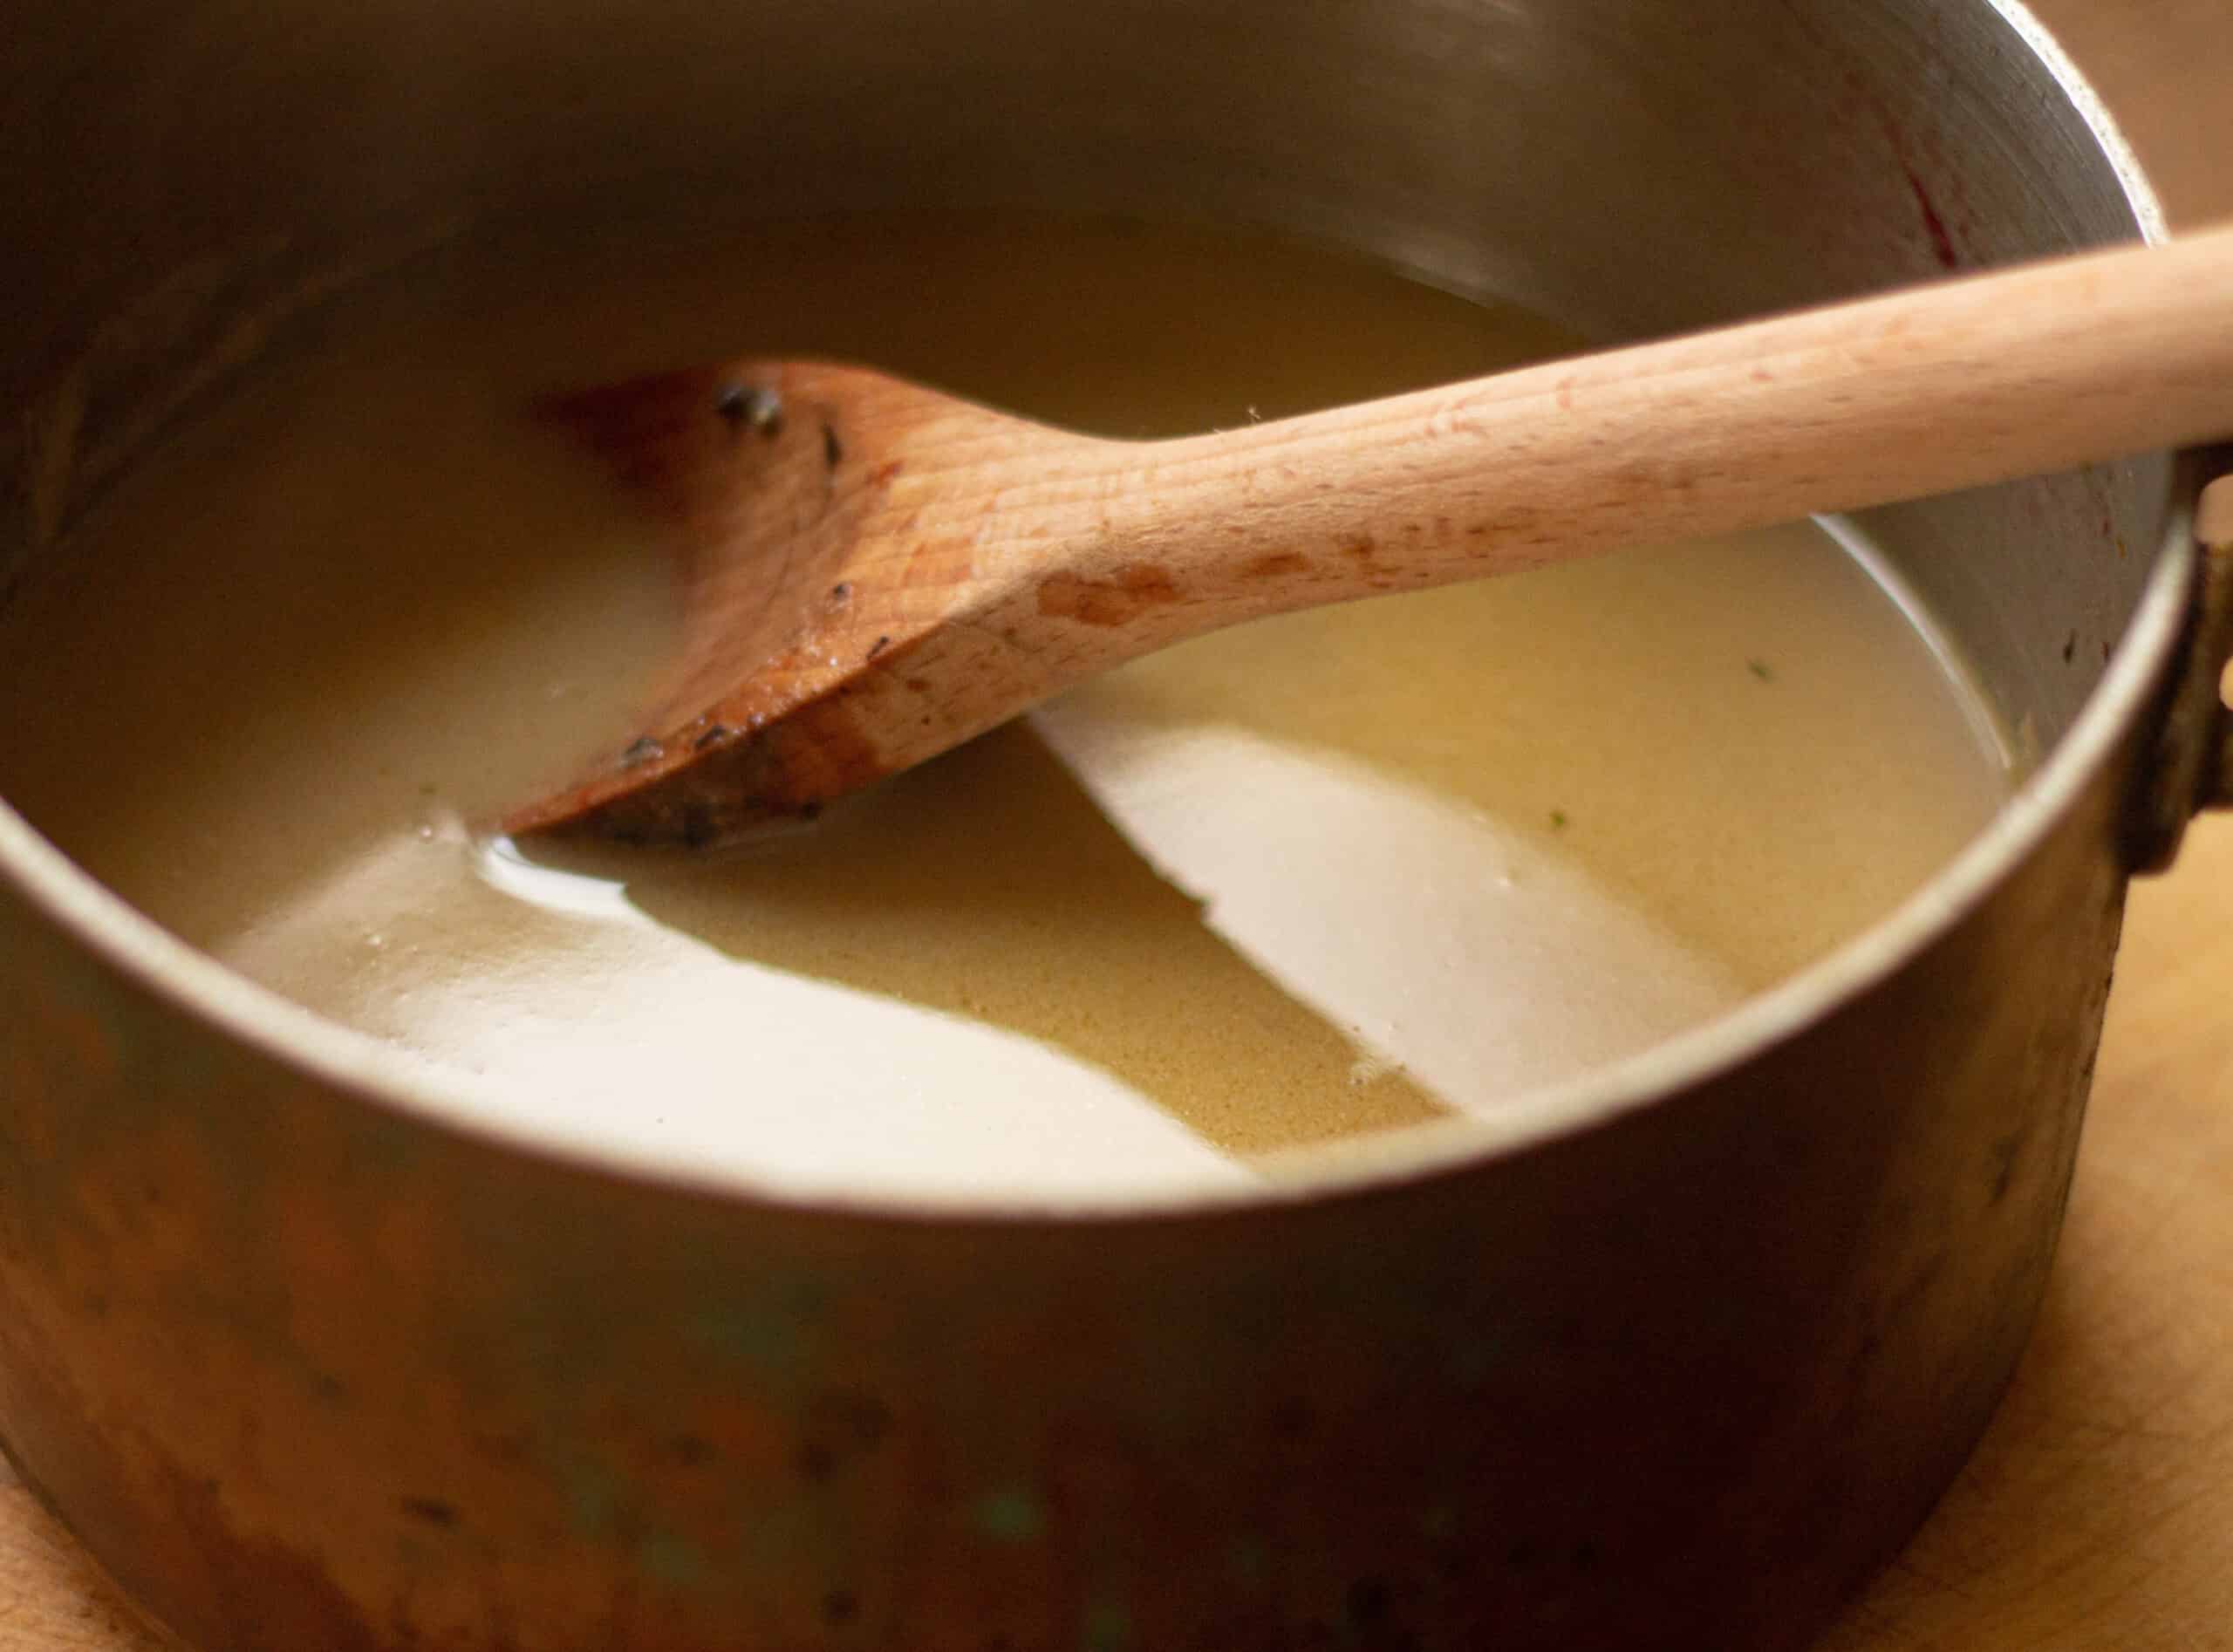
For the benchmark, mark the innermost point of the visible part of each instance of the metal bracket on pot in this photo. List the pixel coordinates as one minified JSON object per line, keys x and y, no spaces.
{"x":2192,"y":768}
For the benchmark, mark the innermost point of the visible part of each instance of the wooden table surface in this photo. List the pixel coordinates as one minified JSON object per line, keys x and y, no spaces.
{"x":2098,"y":1514}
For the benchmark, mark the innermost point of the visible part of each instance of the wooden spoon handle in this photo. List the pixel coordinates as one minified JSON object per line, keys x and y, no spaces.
{"x":1928,"y":391}
{"x":948,"y":566}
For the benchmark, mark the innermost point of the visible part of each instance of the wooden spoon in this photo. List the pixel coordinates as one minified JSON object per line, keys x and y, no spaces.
{"x":877,"y":572}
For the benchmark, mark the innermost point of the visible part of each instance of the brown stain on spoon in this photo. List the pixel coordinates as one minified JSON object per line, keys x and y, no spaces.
{"x":1135,"y":587}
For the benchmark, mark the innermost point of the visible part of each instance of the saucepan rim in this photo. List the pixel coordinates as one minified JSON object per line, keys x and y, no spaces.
{"x":357,"y":1067}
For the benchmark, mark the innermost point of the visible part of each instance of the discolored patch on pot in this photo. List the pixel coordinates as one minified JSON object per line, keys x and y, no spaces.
{"x":1934,"y":221}
{"x":1008,"y":1514}
{"x":433,"y":1510}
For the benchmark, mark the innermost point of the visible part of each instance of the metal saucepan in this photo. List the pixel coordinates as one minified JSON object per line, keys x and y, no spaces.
{"x":1674,"y":1356}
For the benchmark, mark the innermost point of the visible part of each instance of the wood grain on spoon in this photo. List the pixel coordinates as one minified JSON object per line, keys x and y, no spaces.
{"x":877,"y":572}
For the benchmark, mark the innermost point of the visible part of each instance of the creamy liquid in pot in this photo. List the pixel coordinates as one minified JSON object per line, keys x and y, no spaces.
{"x":1317,"y":877}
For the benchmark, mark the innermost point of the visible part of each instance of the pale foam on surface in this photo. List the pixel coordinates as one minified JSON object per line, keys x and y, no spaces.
{"x":1325,"y":876}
